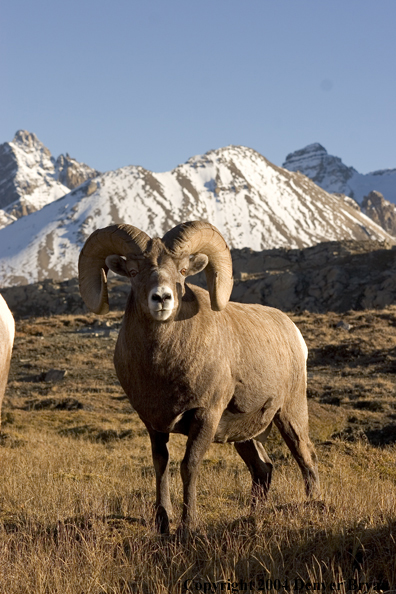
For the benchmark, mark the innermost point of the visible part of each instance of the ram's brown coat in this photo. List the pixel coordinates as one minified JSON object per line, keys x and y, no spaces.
{"x":211,"y":375}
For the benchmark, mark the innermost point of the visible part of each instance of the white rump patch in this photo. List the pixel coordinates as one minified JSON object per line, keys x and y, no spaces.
{"x":303,"y":345}
{"x":7,"y":318}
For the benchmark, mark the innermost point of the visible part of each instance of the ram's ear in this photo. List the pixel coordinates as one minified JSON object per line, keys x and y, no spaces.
{"x":197,"y":263}
{"x":117,"y":264}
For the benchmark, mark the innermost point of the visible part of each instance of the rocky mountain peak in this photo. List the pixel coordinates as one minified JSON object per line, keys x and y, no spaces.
{"x":31,"y":177}
{"x":71,"y":173}
{"x":30,"y":151}
{"x":28,"y":141}
{"x":311,"y":150}
{"x":331,"y":174}
{"x":381,"y":211}
{"x":324,"y":169}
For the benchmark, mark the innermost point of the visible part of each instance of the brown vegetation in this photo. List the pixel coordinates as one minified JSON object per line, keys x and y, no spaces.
{"x":76,"y":494}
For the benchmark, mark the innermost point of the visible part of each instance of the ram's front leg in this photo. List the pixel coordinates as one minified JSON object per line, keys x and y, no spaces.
{"x":201,"y":433}
{"x":160,"y":455}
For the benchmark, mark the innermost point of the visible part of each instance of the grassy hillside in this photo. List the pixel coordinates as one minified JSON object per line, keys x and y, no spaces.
{"x":76,"y":513}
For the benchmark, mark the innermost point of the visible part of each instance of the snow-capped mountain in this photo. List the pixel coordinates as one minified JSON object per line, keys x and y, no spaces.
{"x":30,"y":177}
{"x":331,"y":174}
{"x":254,"y":204}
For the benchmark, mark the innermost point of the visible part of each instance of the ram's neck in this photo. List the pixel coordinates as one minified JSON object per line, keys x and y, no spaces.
{"x":194,"y":324}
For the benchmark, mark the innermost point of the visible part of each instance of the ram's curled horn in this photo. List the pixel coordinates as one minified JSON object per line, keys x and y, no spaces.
{"x":92,"y":269}
{"x":202,"y":237}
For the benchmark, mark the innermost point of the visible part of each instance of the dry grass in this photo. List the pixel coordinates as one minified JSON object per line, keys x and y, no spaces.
{"x":76,"y":511}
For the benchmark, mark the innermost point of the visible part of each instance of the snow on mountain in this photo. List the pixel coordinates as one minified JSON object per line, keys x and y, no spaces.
{"x":30,"y":177}
{"x":331,"y":174}
{"x":254,"y":204}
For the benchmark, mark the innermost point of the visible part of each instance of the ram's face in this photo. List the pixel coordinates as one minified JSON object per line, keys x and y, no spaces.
{"x":157,"y":278}
{"x":158,"y":283}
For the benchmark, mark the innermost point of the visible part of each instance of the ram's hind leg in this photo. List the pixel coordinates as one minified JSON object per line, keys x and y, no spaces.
{"x":293,"y":427}
{"x":259,"y":464}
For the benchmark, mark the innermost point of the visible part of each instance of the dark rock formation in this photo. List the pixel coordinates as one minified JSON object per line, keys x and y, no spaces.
{"x":332,"y":276}
{"x":8,"y":168}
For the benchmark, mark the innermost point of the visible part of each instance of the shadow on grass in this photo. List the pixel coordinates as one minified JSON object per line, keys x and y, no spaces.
{"x":291,"y":541}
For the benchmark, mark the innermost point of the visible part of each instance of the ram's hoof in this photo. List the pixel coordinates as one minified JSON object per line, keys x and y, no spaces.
{"x":184,"y":533}
{"x":162,"y":522}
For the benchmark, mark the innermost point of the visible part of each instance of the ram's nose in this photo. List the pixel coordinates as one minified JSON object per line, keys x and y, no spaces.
{"x":161,"y":297}
{"x":161,"y":302}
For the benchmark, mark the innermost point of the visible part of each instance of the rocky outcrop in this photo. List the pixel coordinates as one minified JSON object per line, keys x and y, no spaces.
{"x":332,"y":276}
{"x":380,"y":211}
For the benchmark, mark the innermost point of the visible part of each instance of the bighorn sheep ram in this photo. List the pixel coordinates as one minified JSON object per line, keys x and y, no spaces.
{"x":192,"y":362}
{"x":7,"y":331}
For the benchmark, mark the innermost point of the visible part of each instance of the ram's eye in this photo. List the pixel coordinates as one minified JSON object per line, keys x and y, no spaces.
{"x":183,"y":271}
{"x":133,"y":272}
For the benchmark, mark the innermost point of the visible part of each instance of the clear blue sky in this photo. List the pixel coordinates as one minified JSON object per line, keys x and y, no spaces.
{"x":154,"y":82}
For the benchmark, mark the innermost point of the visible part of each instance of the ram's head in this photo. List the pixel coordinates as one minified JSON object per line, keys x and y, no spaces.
{"x":157,"y":268}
